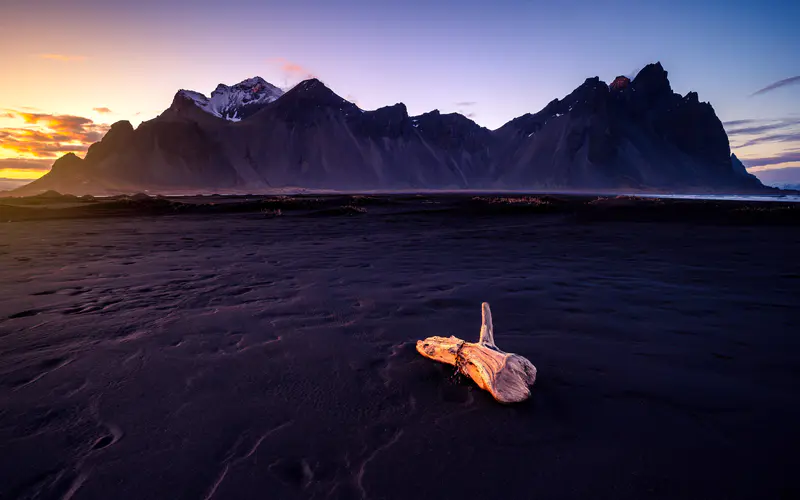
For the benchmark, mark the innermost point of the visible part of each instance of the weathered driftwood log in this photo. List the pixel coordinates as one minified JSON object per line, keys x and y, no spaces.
{"x":506,"y":376}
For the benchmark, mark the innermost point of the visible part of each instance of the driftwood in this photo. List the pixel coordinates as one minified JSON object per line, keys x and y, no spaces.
{"x":506,"y":376}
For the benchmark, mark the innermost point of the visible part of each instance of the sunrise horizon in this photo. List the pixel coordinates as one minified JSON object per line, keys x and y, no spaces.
{"x":64,"y":92}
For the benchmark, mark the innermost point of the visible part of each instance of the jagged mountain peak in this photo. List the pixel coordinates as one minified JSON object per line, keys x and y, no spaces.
{"x":588,"y":97}
{"x":655,"y":68}
{"x":309,"y":95}
{"x":117,"y":136}
{"x":253,"y":85}
{"x":311,"y":84}
{"x":395,"y":112}
{"x":630,"y":135}
{"x":451,"y":131}
{"x":67,"y":158}
{"x":313,"y":89}
{"x":395,"y":108}
{"x":692,"y":97}
{"x":453,"y":118}
{"x":119,"y":128}
{"x":653,"y":81}
{"x":66,"y":162}
{"x":232,"y":103}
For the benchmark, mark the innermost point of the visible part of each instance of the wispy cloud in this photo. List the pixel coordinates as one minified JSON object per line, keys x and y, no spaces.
{"x":779,"y":133}
{"x":756,"y":129}
{"x":62,"y":57}
{"x":14,"y":172}
{"x":77,"y":128}
{"x":465,"y":108}
{"x":736,"y":123}
{"x":760,"y":126}
{"x":291,"y":69}
{"x":794,"y":80}
{"x":784,"y":137}
{"x":35,"y":167}
{"x":46,"y":135}
{"x":752,"y":132}
{"x":785,"y":157}
{"x":102,"y":110}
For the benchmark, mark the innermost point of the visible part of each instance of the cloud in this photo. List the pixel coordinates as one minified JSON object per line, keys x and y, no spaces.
{"x":785,"y":137}
{"x":35,"y":167}
{"x":49,"y":135}
{"x":794,"y":80}
{"x":102,"y":110}
{"x":7,"y":115}
{"x":736,"y":123}
{"x":753,"y":132}
{"x":460,"y":107}
{"x":757,"y":129}
{"x":785,"y":157}
{"x":291,"y":69}
{"x":760,"y":126}
{"x":14,"y":172}
{"x":62,"y":57}
{"x":78,"y":128}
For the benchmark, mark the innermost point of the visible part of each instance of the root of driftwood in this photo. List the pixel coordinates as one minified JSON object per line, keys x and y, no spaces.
{"x":506,"y":376}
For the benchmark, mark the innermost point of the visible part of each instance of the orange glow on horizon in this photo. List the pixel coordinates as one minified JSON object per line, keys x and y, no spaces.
{"x":76,"y":97}
{"x":31,"y":141}
{"x":62,"y":57}
{"x":21,"y":175}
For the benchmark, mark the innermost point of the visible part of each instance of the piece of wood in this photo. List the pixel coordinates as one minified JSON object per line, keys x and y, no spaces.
{"x":506,"y":376}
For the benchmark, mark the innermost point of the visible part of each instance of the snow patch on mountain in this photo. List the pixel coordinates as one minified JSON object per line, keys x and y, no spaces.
{"x":235,"y":102}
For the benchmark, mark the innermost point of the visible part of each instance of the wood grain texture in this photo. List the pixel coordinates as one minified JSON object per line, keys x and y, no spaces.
{"x":506,"y":376}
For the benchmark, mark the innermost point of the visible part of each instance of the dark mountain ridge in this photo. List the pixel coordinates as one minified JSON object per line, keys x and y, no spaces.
{"x":634,"y":135}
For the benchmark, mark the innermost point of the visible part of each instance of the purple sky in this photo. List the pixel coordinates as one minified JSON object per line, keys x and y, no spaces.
{"x":490,"y":60}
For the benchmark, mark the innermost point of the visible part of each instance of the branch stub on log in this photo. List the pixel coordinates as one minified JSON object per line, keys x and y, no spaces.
{"x":506,"y":376}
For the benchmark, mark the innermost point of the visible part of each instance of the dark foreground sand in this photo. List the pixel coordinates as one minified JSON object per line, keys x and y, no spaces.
{"x":232,"y":355}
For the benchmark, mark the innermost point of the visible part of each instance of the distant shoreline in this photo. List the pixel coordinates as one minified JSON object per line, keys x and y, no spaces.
{"x":705,"y":209}
{"x":767,"y":193}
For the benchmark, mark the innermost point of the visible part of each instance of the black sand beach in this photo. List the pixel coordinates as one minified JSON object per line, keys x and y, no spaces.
{"x":210,"y":348}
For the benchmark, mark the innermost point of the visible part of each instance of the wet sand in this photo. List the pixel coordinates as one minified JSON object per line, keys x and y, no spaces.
{"x":244,"y":355}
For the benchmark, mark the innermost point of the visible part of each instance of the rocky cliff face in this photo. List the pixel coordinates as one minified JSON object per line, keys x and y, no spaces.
{"x":637,"y":136}
{"x":237,"y":102}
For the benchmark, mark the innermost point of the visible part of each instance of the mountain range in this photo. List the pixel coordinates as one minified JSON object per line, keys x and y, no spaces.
{"x":632,"y":135}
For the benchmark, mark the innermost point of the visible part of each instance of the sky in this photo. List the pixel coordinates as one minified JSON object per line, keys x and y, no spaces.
{"x":70,"y":69}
